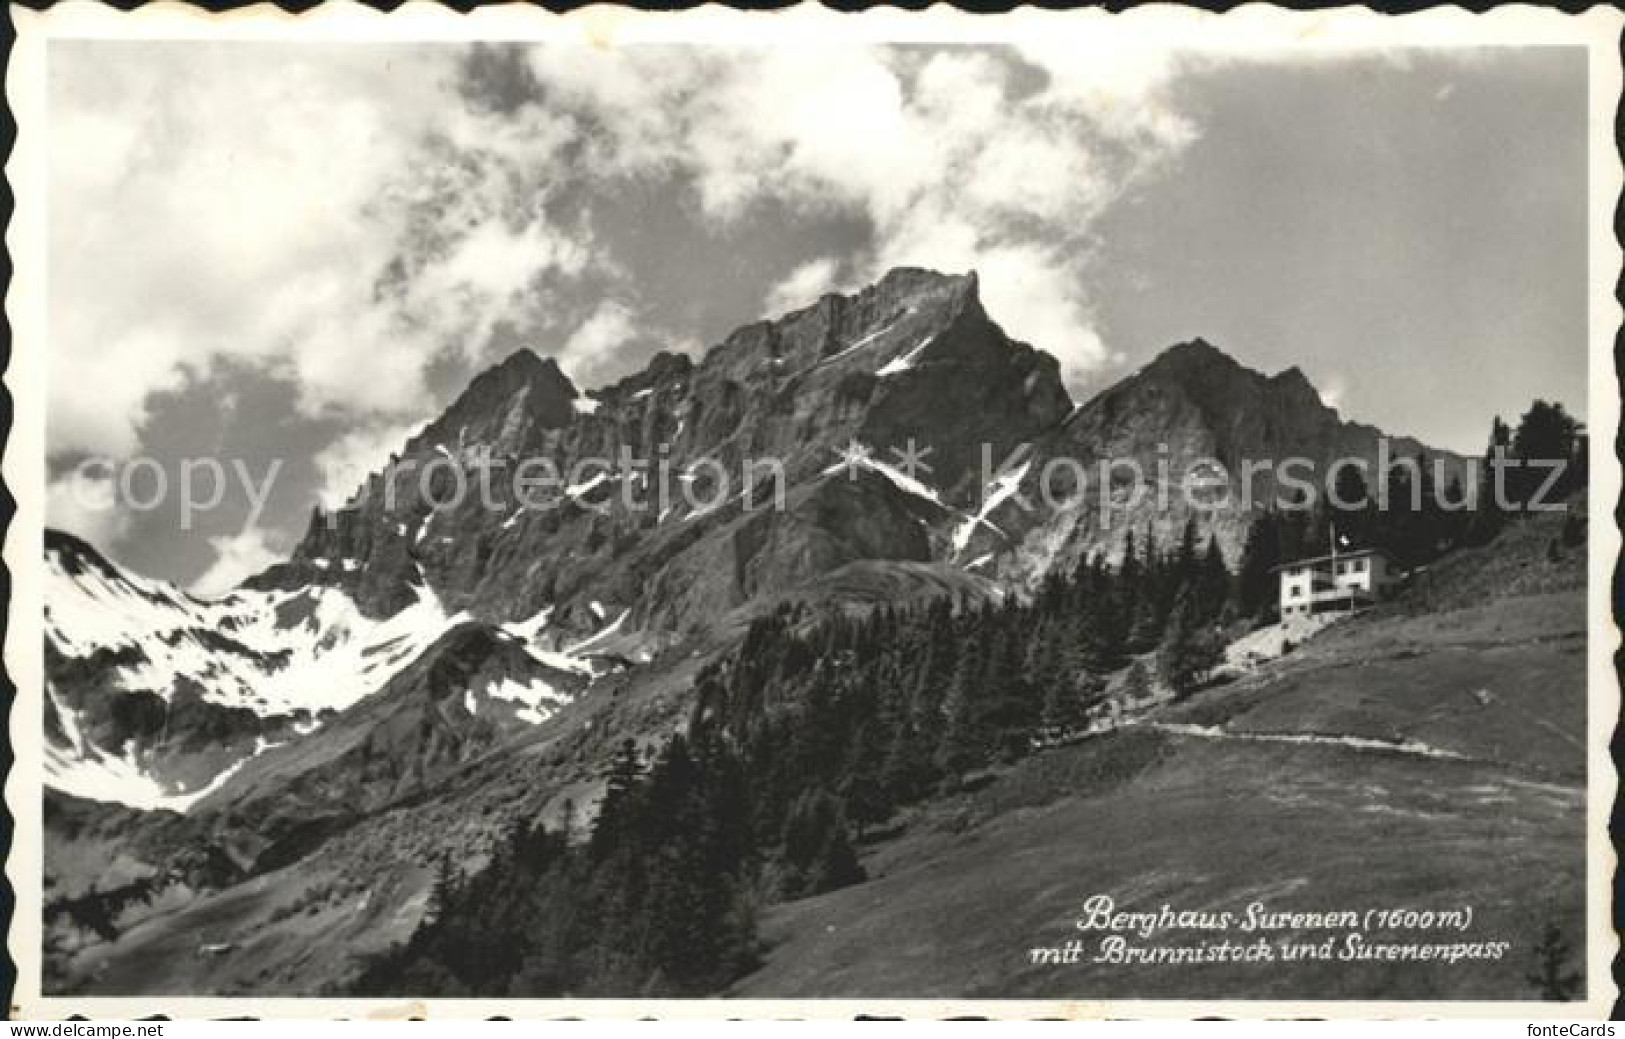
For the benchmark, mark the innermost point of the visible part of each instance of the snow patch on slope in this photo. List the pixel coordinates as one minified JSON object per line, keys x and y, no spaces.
{"x":1004,"y":486}
{"x":899,"y":479}
{"x":274,"y":652}
{"x":538,"y":701}
{"x":899,"y":365}
{"x":612,"y":628}
{"x":576,"y":490}
{"x":860,"y":344}
{"x":85,"y":770}
{"x":527,"y":629}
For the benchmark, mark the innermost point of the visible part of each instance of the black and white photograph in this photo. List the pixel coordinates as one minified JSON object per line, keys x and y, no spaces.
{"x":1029,"y":511}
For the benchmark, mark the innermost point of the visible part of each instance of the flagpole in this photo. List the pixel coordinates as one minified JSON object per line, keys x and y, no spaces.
{"x":1333,"y":525}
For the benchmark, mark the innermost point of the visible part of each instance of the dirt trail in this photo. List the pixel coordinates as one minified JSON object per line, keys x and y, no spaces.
{"x":1353,"y":742}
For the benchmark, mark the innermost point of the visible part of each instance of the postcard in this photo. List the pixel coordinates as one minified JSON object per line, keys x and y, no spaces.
{"x":801,"y":514}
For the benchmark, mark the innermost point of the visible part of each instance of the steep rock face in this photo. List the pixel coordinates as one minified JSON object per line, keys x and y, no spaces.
{"x":1136,"y":445}
{"x":375,"y":546}
{"x":826,"y":524}
{"x":515,"y":407}
{"x":636,"y":490}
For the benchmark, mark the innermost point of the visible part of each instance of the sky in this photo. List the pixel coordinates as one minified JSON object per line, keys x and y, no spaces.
{"x":295,"y":255}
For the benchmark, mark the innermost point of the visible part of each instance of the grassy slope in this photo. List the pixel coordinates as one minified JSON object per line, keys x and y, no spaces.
{"x":1149,"y":816}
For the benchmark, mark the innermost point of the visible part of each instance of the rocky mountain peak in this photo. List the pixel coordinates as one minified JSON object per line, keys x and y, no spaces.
{"x":909,"y":281}
{"x":1292,"y":383}
{"x":1196,"y":363}
{"x":505,"y":406}
{"x":912,"y":358}
{"x":1217,"y":384}
{"x":72,"y":555}
{"x":1196,"y":351}
{"x":665,"y":368}
{"x":523,"y":367}
{"x":921,"y":289}
{"x":1192,"y":403}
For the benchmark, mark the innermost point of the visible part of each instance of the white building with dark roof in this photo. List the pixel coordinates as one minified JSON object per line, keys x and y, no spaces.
{"x":1338,"y":583}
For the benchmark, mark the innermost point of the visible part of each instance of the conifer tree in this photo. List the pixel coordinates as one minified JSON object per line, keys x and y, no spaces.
{"x":1256,"y":581}
{"x":1547,"y":434}
{"x":1426,"y":538}
{"x":1552,"y":977}
{"x":442,"y":892}
{"x":1146,"y":629}
{"x":1350,"y":508}
{"x":1066,"y":705}
{"x":863,"y":787}
{"x":818,"y":853}
{"x":1137,"y":683}
{"x":1454,"y":518}
{"x":1186,"y":557}
{"x":1189,"y":649}
{"x":1296,"y":527}
{"x":621,"y":780}
{"x":1492,"y":494}
{"x":965,"y":741}
{"x":1212,"y":581}
{"x":1128,"y":591}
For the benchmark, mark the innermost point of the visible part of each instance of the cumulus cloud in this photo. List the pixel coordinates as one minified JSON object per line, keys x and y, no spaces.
{"x":83,"y":501}
{"x":236,"y":557}
{"x":346,"y":463}
{"x":993,"y":159}
{"x":803,"y":286}
{"x":309,"y":209}
{"x":323,"y":213}
{"x":589,"y":352}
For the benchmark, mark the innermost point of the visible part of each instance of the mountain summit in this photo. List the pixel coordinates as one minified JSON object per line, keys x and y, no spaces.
{"x":912,"y":358}
{"x":1192,"y":405}
{"x":507,"y":408}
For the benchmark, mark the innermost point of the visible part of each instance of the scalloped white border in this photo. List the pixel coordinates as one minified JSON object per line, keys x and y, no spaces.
{"x":1250,"y":28}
